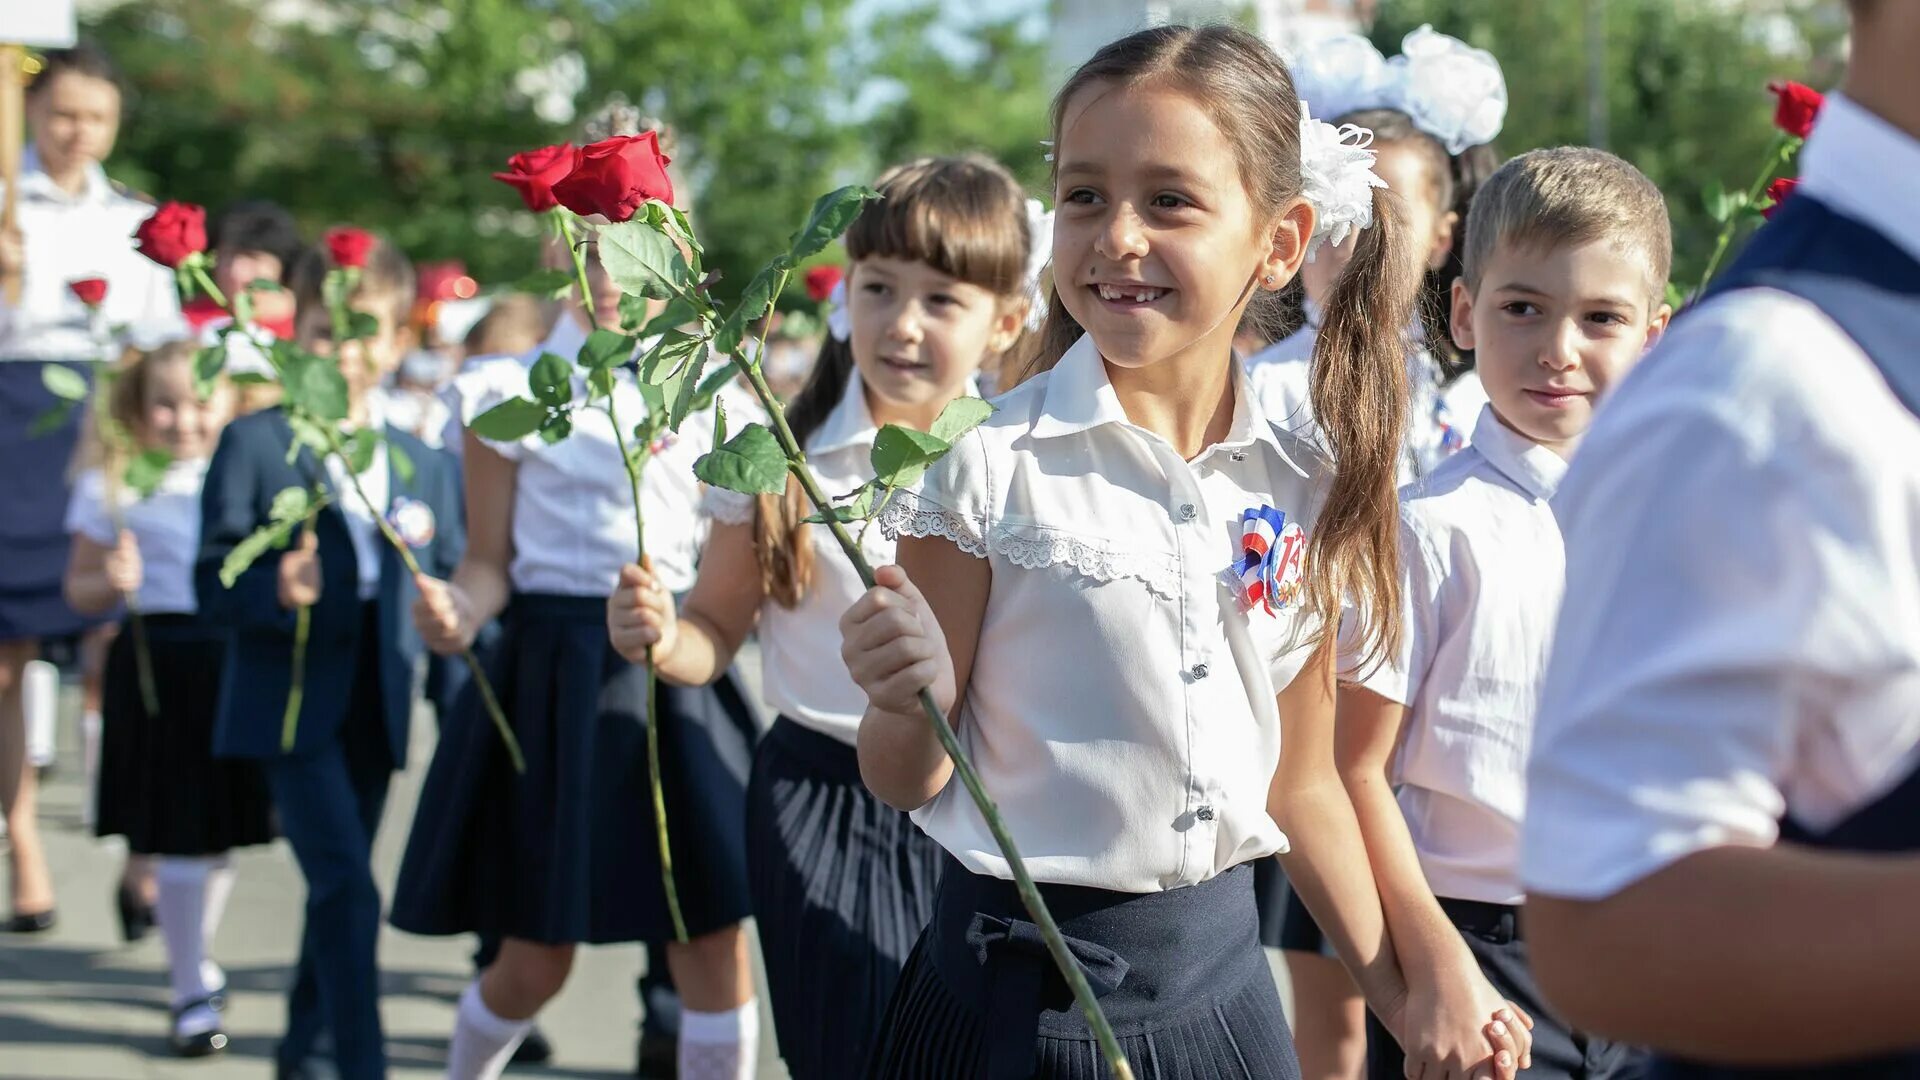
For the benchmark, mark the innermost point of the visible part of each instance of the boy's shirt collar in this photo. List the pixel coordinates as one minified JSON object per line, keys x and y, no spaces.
{"x":1865,"y":168}
{"x":1536,"y":469}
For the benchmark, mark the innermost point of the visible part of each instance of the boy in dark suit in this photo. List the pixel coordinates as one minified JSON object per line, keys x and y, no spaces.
{"x":361,"y":655}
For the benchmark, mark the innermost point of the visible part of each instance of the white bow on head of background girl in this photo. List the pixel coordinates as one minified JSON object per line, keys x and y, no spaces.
{"x":1039,"y":254}
{"x":1451,"y":90}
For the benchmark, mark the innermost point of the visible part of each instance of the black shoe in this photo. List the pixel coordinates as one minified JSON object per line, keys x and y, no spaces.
{"x":659,"y":1057}
{"x":136,"y":915}
{"x":37,"y":923}
{"x":200,"y":1044}
{"x":534,"y":1049}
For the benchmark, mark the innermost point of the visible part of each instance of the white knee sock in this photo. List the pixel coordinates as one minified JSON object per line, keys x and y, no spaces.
{"x":722,"y":1045}
{"x":482,"y":1042}
{"x":219,"y":891}
{"x":180,"y":902}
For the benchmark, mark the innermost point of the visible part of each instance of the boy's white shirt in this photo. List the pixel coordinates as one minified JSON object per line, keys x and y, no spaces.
{"x":1482,"y":568}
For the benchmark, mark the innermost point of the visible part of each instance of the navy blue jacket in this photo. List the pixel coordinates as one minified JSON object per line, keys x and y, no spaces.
{"x":248,"y":469}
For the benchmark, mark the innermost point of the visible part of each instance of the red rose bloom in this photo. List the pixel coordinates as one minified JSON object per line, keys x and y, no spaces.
{"x":615,"y":177}
{"x":534,"y":172}
{"x":1798,"y":107}
{"x":821,"y":280}
{"x":91,"y":291}
{"x":174,"y":233}
{"x":1778,"y":192}
{"x":349,"y":246}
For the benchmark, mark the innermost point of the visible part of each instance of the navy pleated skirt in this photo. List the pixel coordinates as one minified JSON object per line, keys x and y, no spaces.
{"x":566,"y":853}
{"x":160,"y":785}
{"x":33,"y":504}
{"x":843,"y":884}
{"x":1181,"y":977}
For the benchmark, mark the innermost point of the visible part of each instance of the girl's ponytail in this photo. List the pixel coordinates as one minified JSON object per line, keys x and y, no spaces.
{"x":1359,"y":392}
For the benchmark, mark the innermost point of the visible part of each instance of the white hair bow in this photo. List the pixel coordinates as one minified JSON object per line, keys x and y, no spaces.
{"x":1452,"y":91}
{"x":1337,"y":177}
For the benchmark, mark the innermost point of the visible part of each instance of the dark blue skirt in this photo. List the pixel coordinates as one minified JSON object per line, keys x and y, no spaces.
{"x":566,"y":853}
{"x":1186,"y":987}
{"x":160,"y":785}
{"x":33,"y":505}
{"x":843,"y":884}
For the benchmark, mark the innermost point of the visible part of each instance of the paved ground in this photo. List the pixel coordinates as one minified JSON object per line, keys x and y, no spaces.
{"x":77,"y":1004}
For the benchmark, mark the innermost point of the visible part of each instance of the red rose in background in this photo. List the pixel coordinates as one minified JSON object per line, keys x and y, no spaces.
{"x":821,"y":280}
{"x":349,"y":246}
{"x":1779,"y":191}
{"x":534,"y":172}
{"x":615,"y":177}
{"x":175,"y":232}
{"x":91,"y":291}
{"x":1798,"y":107}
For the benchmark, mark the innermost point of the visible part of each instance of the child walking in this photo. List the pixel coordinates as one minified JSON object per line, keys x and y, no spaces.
{"x":160,"y":785}
{"x":842,"y":883}
{"x":1121,"y":588}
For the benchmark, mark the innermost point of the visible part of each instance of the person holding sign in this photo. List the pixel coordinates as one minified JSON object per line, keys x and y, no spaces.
{"x":70,"y":223}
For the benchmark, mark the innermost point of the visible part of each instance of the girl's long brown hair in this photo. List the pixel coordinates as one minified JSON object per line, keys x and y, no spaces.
{"x":963,"y":216}
{"x":1359,"y":381}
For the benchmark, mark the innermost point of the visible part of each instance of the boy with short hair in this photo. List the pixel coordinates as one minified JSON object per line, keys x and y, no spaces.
{"x":1566,"y":264}
{"x":361,"y":652}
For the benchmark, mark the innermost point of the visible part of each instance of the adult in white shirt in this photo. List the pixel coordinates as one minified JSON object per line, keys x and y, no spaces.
{"x":1732,"y":713}
{"x":73,"y":224}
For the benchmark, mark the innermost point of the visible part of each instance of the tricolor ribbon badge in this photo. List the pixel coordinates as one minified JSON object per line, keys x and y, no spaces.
{"x":1272,"y":554}
{"x":412,"y":520}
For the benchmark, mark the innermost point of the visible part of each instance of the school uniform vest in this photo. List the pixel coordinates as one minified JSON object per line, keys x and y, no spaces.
{"x":1871,"y":289}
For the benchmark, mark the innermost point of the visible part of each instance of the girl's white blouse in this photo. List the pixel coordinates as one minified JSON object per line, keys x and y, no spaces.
{"x":1121,"y":708}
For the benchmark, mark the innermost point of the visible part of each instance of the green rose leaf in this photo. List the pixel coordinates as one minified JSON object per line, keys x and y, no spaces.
{"x":901,"y":455}
{"x":63,"y":382}
{"x":668,"y":356}
{"x":556,"y":427}
{"x":510,"y":421}
{"x":362,"y":325}
{"x":709,"y":391}
{"x":961,"y":415}
{"x":686,"y":388}
{"x":753,"y":304}
{"x":719,"y":423}
{"x":655,"y":397}
{"x":265,"y":285}
{"x":290,"y":507}
{"x":642,"y":260}
{"x":315,"y":385}
{"x":359,"y":449}
{"x":53,"y":419}
{"x":750,"y":463}
{"x":600,"y":382}
{"x":401,"y":460}
{"x":686,"y":233}
{"x":249,"y":378}
{"x":832,"y":213}
{"x":551,"y":380}
{"x":208,"y":362}
{"x":606,"y":349}
{"x":678,"y":313}
{"x":859,"y":508}
{"x":550,"y":284}
{"x":145,"y":472}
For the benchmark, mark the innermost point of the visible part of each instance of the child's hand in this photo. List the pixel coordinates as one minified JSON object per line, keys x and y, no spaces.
{"x":123,"y":565}
{"x":443,"y":616}
{"x":640,"y":615}
{"x":1458,"y":1028}
{"x":300,"y":573}
{"x":893,"y":646}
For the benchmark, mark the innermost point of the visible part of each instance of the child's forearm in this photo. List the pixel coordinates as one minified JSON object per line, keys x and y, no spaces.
{"x":1338,"y":888}
{"x":1425,"y":940}
{"x":486,"y":586}
{"x":699,"y":654}
{"x":901,"y":759}
{"x":88,"y":592}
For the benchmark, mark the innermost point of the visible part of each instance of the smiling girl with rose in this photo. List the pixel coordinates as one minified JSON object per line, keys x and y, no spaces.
{"x":1120,"y":588}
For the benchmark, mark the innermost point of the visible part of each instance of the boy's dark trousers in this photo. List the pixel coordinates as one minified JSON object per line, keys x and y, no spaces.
{"x":329,"y":802}
{"x":1493,"y":934}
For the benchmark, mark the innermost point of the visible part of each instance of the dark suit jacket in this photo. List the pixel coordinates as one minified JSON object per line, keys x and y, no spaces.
{"x":248,"y":469}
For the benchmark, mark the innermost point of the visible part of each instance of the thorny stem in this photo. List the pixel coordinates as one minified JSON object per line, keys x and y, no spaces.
{"x":1776,"y":155}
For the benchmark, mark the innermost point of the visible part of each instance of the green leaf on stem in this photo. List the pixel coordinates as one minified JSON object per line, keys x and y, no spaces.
{"x":53,"y":419}
{"x":63,"y":382}
{"x":961,"y":415}
{"x":753,"y":304}
{"x":314,"y":384}
{"x":1676,"y":296}
{"x":668,"y":356}
{"x":688,"y":388}
{"x":901,"y":455}
{"x":600,"y":382}
{"x":709,"y":390}
{"x":548,"y":284}
{"x":832,"y":213}
{"x":265,"y":285}
{"x":510,"y":421}
{"x":556,"y":427}
{"x":551,"y":380}
{"x":248,"y":378}
{"x":362,"y":326}
{"x":655,"y":397}
{"x":400,"y":461}
{"x":687,"y":234}
{"x":858,"y":506}
{"x":678,"y":313}
{"x":208,"y":362}
{"x":605,"y":349}
{"x":359,"y":449}
{"x":642,"y":260}
{"x":1717,"y":204}
{"x":750,"y":463}
{"x":290,"y":507}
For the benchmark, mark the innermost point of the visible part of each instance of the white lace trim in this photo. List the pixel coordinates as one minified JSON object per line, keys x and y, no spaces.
{"x":1031,"y":547}
{"x":727,"y":507}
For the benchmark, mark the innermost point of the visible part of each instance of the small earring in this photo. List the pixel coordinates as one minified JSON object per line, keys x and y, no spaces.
{"x":1269,"y":279}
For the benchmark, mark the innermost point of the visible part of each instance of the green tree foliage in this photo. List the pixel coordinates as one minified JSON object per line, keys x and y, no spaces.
{"x":1685,"y":84}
